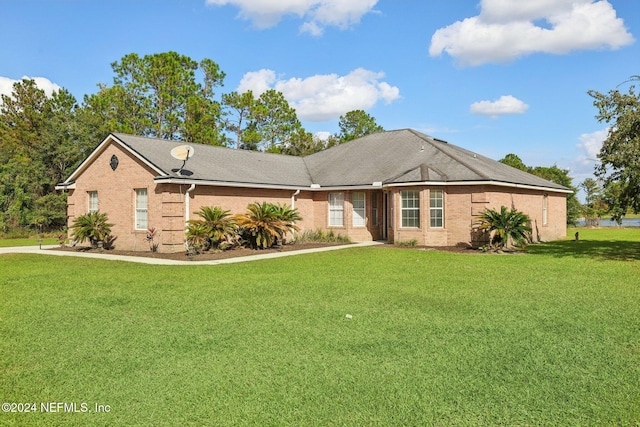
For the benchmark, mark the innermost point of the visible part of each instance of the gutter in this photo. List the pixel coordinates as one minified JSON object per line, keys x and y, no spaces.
{"x":496,"y":183}
{"x":374,"y":185}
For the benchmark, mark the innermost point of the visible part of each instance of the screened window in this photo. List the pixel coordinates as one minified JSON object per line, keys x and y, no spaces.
{"x":93,"y":201}
{"x":336,"y":209}
{"x":545,"y":200}
{"x":375,"y":216}
{"x":410,"y":208}
{"x":141,"y":209}
{"x":436,"y":208}
{"x":359,"y":212}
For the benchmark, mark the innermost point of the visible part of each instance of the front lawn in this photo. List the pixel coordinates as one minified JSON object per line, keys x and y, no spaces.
{"x":360,"y":336}
{"x":31,"y":241}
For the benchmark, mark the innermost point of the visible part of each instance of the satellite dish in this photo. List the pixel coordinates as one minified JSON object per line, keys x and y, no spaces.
{"x":184,"y":153}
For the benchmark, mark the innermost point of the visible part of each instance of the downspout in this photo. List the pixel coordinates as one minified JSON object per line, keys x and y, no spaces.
{"x":187,"y":208}
{"x":293,"y":206}
{"x":293,"y":198}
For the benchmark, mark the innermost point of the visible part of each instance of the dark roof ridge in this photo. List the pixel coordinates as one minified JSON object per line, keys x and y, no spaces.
{"x":431,"y":142}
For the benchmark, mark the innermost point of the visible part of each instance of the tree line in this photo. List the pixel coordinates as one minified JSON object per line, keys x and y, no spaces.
{"x":165,"y":95}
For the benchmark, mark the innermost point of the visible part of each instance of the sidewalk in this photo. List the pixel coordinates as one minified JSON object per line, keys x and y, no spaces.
{"x":46,"y":250}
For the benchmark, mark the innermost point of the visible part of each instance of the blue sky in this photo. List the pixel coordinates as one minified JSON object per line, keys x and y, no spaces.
{"x":492,"y":76}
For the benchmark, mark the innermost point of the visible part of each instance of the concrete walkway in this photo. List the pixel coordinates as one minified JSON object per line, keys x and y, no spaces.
{"x":160,"y":261}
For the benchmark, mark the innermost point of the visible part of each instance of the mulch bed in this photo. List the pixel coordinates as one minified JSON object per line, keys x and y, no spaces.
{"x":242,"y":252}
{"x":206,"y":256}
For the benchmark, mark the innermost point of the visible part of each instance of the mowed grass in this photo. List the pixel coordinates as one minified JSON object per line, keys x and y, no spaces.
{"x":551,"y":337}
{"x":4,"y":243}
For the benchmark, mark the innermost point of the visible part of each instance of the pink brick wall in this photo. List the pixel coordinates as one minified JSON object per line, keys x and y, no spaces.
{"x":116,"y":196}
{"x":166,"y":207}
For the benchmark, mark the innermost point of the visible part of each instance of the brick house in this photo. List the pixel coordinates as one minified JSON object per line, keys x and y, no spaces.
{"x":395,"y":186}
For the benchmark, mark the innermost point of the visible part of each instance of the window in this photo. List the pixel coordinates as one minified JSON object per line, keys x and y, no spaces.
{"x":359,"y":215}
{"x":141,"y":209}
{"x":545,"y":200}
{"x":93,"y":201}
{"x":436,"y":208}
{"x":336,"y":209}
{"x":374,"y":210}
{"x":410,"y":208}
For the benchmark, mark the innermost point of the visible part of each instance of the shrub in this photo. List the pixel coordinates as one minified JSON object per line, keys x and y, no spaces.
{"x":505,"y":226}
{"x":197,"y":238}
{"x":218,"y":225}
{"x":320,"y":236}
{"x":408,"y":243}
{"x":152,"y":233}
{"x":93,"y":226}
{"x":266,"y":223}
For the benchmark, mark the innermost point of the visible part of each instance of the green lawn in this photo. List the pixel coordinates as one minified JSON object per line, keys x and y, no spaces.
{"x":551,"y":337}
{"x":4,"y":243}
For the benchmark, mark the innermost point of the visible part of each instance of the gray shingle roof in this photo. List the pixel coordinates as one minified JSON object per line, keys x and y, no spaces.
{"x":210,"y":163}
{"x":392,"y":157}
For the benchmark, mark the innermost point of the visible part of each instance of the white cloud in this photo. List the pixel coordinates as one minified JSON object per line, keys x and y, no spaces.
{"x":326,"y":96}
{"x":583,"y":166}
{"x":591,"y":143}
{"x":257,"y":81}
{"x":316,"y":13}
{"x":504,"y":105}
{"x":509,"y":29}
{"x":6,"y":85}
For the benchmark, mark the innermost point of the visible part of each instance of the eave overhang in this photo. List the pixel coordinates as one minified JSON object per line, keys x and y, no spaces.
{"x":372,"y":186}
{"x":478,"y":183}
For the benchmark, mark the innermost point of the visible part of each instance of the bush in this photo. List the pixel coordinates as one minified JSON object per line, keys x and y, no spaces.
{"x":320,"y":236}
{"x":219,"y":227}
{"x":407,"y":243}
{"x":505,"y":226}
{"x":93,"y":226}
{"x":265,"y":224}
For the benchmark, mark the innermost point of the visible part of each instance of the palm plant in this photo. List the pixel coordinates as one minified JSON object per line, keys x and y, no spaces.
{"x":506,"y":225}
{"x":266,"y":223}
{"x":287,"y":215}
{"x":197,"y":235}
{"x":93,"y":226}
{"x":218,"y":224}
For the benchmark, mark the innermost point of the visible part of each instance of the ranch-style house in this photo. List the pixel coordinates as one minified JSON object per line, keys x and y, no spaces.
{"x":392,"y":186}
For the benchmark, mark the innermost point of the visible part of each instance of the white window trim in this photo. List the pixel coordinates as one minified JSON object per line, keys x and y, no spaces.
{"x":90,"y":206}
{"x":335,"y":208}
{"x":545,"y":209}
{"x":139,"y":210}
{"x":360,"y":219}
{"x":414,"y":209}
{"x":437,"y":208}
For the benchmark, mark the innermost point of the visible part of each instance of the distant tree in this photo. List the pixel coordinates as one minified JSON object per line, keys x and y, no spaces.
{"x":304,"y":143}
{"x":620,"y":151}
{"x":274,"y":121}
{"x":40,"y":143}
{"x":553,"y":174}
{"x":515,"y":162}
{"x":594,"y":207}
{"x":238,"y":118}
{"x":356,"y":124}
{"x":159,"y":96}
